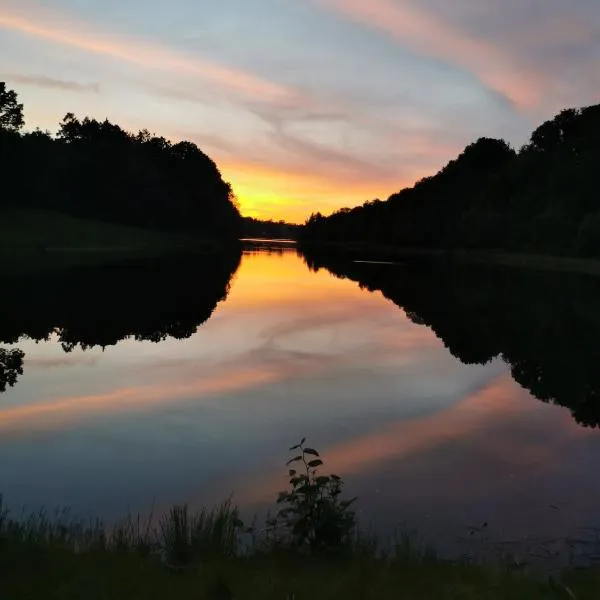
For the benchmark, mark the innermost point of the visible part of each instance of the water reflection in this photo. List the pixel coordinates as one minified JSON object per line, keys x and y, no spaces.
{"x":11,"y":366}
{"x":545,"y":326}
{"x":99,"y":306}
{"x":418,"y":435}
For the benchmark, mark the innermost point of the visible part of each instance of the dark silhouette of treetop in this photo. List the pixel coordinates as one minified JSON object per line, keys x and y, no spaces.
{"x":541,"y":199}
{"x":96,"y":169}
{"x":11,"y":112}
{"x":11,"y":366}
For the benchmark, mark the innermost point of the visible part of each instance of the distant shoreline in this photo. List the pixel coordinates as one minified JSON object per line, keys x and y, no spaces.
{"x":364,"y":252}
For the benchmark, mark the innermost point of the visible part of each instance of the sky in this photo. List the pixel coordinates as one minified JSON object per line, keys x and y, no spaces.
{"x":306,"y":105}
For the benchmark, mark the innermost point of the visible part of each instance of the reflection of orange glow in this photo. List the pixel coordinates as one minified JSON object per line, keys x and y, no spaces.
{"x":80,"y":36}
{"x":496,"y":402}
{"x":60,"y":412}
{"x":406,"y":438}
{"x":285,"y":281}
{"x":493,"y":404}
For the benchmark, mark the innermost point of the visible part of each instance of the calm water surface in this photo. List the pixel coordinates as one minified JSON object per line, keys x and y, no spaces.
{"x":418,"y":435}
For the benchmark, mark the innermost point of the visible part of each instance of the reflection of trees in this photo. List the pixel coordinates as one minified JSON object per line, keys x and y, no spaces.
{"x":11,"y":366}
{"x":545,"y":326}
{"x":87,"y":307}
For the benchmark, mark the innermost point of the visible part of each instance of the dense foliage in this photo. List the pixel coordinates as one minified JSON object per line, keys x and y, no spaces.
{"x":97,"y":169}
{"x":540,"y":199}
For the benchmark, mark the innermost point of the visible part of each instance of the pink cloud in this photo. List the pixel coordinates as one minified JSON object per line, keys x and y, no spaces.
{"x":57,"y":28}
{"x":429,"y":35}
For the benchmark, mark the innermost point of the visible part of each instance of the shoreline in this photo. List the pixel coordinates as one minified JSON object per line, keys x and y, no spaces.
{"x":197,"y":555}
{"x":363,"y":252}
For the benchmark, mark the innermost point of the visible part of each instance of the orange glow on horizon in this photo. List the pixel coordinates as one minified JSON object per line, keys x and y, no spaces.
{"x":292,"y":195}
{"x":266,"y":191}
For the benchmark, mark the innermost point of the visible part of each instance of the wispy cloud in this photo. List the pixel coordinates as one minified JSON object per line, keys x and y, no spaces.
{"x":426,"y":34}
{"x":51,"y":83}
{"x":57,"y":28}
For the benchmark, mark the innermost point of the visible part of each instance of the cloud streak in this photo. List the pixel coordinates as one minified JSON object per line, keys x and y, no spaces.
{"x":56,"y":84}
{"x":60,"y":30}
{"x":428,"y":35}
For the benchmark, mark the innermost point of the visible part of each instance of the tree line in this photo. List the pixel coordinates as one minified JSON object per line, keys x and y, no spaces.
{"x":96,"y":169}
{"x":269,"y":229}
{"x":542,"y":198}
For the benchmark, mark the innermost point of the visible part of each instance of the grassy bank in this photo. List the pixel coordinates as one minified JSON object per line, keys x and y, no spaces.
{"x":311,"y":549}
{"x":365,"y":251}
{"x":45,"y":238}
{"x":201,"y":556}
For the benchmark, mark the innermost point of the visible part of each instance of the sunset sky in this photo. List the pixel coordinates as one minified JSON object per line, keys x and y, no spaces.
{"x":306,"y":105}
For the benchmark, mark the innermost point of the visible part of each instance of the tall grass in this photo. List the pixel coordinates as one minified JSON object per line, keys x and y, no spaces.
{"x":184,"y":537}
{"x":199,"y":555}
{"x":179,"y":537}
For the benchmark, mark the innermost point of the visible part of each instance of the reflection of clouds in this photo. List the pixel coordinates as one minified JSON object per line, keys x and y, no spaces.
{"x":62,"y":412}
{"x":280,"y":326}
{"x":496,"y":430}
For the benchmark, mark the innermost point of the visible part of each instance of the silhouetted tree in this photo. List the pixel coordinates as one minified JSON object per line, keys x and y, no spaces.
{"x":98,"y":170}
{"x":542,"y":199}
{"x":11,"y":112}
{"x":11,"y":366}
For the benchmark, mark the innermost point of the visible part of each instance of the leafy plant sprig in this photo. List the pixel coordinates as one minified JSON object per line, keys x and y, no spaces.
{"x":312,"y":514}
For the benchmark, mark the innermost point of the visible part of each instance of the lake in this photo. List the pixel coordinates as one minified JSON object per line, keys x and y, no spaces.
{"x":446,"y":397}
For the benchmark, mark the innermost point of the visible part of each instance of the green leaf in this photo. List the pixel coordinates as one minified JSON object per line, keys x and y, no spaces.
{"x":315,"y":463}
{"x":295,"y":459}
{"x":311,"y":451}
{"x":322,"y":480}
{"x":292,"y":472}
{"x":335,"y":477}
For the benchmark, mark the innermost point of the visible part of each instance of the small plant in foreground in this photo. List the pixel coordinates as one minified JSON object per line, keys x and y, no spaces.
{"x":313,"y":516}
